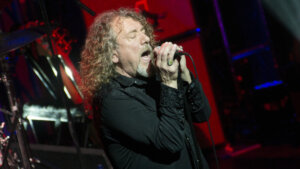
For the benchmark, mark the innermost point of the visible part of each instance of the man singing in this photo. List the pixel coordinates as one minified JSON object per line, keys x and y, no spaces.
{"x":141,"y":96}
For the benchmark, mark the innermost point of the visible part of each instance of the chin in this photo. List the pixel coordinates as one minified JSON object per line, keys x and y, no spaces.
{"x":145,"y":72}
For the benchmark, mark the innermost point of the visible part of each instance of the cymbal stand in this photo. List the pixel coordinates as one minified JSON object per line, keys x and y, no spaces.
{"x":16,"y":120}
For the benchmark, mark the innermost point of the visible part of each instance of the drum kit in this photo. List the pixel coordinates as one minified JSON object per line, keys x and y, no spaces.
{"x":9,"y":43}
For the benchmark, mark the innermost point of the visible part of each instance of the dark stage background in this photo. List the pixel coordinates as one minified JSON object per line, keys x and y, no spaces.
{"x":246,"y":53}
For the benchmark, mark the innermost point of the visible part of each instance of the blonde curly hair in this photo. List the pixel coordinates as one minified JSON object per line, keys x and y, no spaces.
{"x":96,"y":66}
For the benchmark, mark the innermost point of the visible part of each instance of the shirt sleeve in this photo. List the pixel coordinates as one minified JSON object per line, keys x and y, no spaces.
{"x":163,"y":129}
{"x":196,"y":98}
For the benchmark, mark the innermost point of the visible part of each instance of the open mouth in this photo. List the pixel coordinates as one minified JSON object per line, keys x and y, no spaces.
{"x":146,"y":53}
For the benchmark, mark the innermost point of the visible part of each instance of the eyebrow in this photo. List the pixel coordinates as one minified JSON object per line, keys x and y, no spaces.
{"x":134,"y":30}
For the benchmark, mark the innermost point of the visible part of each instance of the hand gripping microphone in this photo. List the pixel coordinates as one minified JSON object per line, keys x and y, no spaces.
{"x":178,"y":53}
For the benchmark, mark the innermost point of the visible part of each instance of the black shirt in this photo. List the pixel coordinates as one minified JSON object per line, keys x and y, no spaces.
{"x":144,"y":126}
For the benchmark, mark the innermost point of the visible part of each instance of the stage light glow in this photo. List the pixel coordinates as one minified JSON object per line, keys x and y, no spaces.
{"x":268,"y":84}
{"x":250,"y":52}
{"x":67,"y":92}
{"x":48,"y":113}
{"x":288,"y":13}
{"x":51,"y":65}
{"x":69,"y":73}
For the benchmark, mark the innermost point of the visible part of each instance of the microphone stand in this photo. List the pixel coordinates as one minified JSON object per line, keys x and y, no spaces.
{"x":84,"y":7}
{"x":16,"y":121}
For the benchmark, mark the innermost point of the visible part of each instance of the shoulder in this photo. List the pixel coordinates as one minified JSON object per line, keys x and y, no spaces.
{"x":109,"y":92}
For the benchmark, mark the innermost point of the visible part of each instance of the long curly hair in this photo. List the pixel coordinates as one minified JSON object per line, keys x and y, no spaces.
{"x":96,"y":66}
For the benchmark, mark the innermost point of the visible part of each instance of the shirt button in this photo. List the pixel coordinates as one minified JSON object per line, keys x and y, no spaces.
{"x":187,"y":138}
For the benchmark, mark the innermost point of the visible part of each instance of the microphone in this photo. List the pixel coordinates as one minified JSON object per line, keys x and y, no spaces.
{"x":178,"y":53}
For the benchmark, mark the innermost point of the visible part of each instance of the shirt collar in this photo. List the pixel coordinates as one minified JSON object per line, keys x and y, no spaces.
{"x":127,"y":81}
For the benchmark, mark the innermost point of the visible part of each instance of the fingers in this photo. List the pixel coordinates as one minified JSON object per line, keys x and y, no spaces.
{"x":179,"y":48}
{"x":171,"y":54}
{"x":166,"y":65}
{"x":165,"y":54}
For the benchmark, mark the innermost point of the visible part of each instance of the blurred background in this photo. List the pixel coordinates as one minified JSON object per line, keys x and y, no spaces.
{"x":247,"y":55}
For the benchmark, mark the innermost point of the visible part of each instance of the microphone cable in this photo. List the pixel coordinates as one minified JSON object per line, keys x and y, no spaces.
{"x":208,"y":124}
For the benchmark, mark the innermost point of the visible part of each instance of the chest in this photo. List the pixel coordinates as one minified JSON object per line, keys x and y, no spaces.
{"x":146,"y":96}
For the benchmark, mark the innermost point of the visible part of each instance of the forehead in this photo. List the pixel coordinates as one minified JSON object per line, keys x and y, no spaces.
{"x":125,"y":25}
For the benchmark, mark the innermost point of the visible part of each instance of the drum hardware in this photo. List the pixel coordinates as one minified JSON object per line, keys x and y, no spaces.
{"x":8,"y":43}
{"x":15,"y":120}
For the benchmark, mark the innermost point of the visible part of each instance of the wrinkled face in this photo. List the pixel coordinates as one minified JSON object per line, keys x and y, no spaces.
{"x":134,"y":54}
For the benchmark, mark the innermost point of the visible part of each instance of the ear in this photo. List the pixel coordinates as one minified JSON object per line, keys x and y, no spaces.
{"x":115,"y":57}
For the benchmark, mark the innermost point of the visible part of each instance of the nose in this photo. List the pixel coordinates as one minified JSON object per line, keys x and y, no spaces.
{"x":145,"y":38}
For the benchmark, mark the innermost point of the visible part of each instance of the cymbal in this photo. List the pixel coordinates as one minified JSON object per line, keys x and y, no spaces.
{"x":12,"y":41}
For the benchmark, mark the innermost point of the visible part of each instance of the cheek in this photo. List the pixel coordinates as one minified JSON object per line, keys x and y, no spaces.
{"x":131,"y":62}
{"x":130,"y":54}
